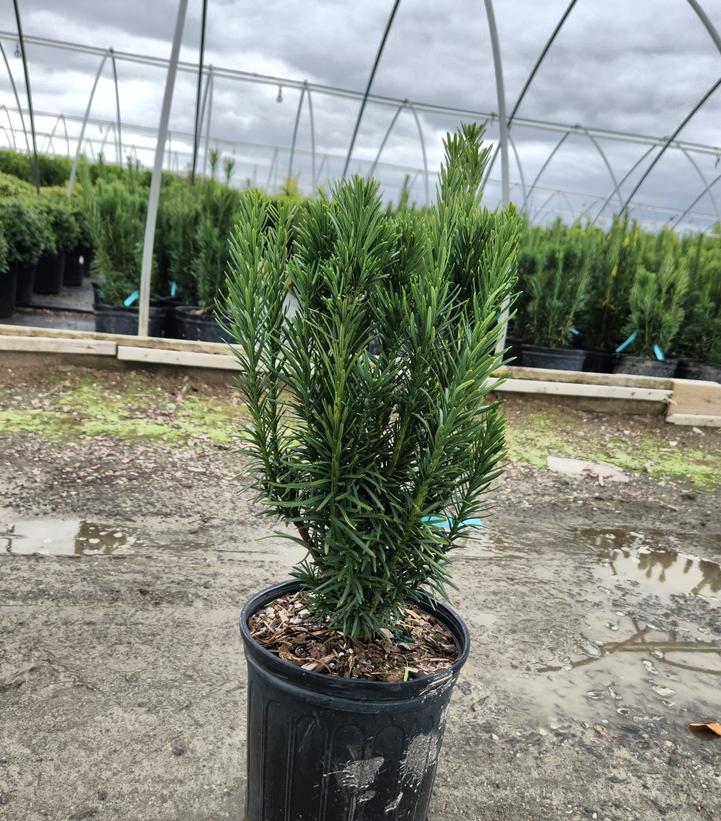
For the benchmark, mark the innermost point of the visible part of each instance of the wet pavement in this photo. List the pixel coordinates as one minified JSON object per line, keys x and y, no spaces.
{"x":594,"y":615}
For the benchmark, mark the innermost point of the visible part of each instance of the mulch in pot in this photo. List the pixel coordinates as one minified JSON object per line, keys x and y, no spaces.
{"x":416,"y":647}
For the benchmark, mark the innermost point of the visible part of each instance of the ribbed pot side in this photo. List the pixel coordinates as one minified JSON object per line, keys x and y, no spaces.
{"x":323,"y":748}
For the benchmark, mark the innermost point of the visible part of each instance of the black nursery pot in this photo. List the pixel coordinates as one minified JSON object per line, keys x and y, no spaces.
{"x":323,"y":748}
{"x":192,"y":323}
{"x":643,"y":366}
{"x":25,"y":273}
{"x":598,"y":361}
{"x":692,"y":369}
{"x":563,"y":359}
{"x":117,"y":319}
{"x":8,"y":287}
{"x":49,"y":274}
{"x":73,"y":272}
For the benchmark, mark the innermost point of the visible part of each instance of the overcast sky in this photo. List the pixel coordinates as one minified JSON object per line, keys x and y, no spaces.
{"x":637,"y":67}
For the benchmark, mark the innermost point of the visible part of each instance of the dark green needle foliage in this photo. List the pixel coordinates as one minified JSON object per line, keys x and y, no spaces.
{"x":369,"y":404}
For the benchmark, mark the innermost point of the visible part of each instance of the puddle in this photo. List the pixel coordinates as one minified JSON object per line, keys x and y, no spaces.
{"x":628,"y":557}
{"x":75,"y":537}
{"x":627,"y":626}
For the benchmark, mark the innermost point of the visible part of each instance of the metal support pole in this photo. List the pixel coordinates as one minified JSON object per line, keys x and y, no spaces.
{"x":147,"y":263}
{"x":703,"y":17}
{"x":668,"y":142}
{"x":529,"y":80}
{"x":379,"y":54}
{"x":211,"y":86}
{"x":501,"y":96}
{"x":312,"y":135}
{"x":10,"y":123}
{"x":36,"y":169}
{"x":198,"y":120}
{"x":707,"y":190}
{"x":605,"y":162}
{"x":17,"y":99}
{"x":503,"y":142}
{"x":372,"y":169}
{"x":74,"y":169}
{"x":623,"y":179}
{"x":426,"y":179}
{"x":271,"y":169}
{"x":295,"y":132}
{"x":527,"y":201}
{"x":518,"y":163}
{"x":117,"y":108}
{"x":704,"y":181}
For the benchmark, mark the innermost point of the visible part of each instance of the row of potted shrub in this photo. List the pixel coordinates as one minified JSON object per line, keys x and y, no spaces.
{"x":44,"y":242}
{"x":191,"y":254}
{"x":624,"y":300}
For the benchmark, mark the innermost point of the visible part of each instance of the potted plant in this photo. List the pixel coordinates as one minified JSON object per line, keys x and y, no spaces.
{"x":380,"y":463}
{"x":115,"y":211}
{"x":205,"y":258}
{"x":554,"y":270}
{"x":28,"y":235}
{"x":613,"y":260}
{"x":699,"y":339}
{"x":51,"y":265}
{"x":656,"y":314}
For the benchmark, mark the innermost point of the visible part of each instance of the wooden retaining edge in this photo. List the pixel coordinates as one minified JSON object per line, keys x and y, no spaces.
{"x":548,"y":388}
{"x":29,"y":332}
{"x":688,"y":402}
{"x":586,"y":378}
{"x":49,"y":344}
{"x":695,"y":420}
{"x":188,"y":359}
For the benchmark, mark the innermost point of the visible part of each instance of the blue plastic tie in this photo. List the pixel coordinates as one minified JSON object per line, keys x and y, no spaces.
{"x":574,"y":330}
{"x":445,"y":522}
{"x":173,"y":287}
{"x":627,"y":342}
{"x":658,"y":350}
{"x":128,"y":301}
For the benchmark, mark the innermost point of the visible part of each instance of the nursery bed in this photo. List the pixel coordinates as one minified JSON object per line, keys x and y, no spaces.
{"x":122,"y":680}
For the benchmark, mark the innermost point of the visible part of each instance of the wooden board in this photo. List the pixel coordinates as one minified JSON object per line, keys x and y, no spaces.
{"x":695,"y":420}
{"x":546,"y":388}
{"x":49,"y":344}
{"x":691,"y":396}
{"x":187,"y":359}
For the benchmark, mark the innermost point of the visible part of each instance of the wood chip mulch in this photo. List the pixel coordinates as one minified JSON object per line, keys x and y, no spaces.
{"x":416,"y":647}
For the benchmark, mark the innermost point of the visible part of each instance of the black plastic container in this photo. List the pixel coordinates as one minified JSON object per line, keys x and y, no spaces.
{"x":563,"y":359}
{"x":693,"y":369}
{"x":323,"y":748}
{"x":598,"y":361}
{"x":86,"y":252}
{"x":49,"y":274}
{"x":192,"y":323}
{"x":8,"y":287}
{"x":117,"y":319}
{"x":25,"y":273}
{"x":73,"y":271}
{"x":643,"y":366}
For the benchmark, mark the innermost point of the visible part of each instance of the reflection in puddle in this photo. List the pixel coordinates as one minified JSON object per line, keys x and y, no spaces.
{"x":635,"y":631}
{"x":627,"y":557}
{"x":72,"y":537}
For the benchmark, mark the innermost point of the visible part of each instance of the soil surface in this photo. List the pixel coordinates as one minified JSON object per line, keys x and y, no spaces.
{"x":127,"y":549}
{"x":417,"y":646}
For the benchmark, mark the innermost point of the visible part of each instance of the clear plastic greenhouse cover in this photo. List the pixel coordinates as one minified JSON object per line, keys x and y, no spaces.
{"x":603,"y":106}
